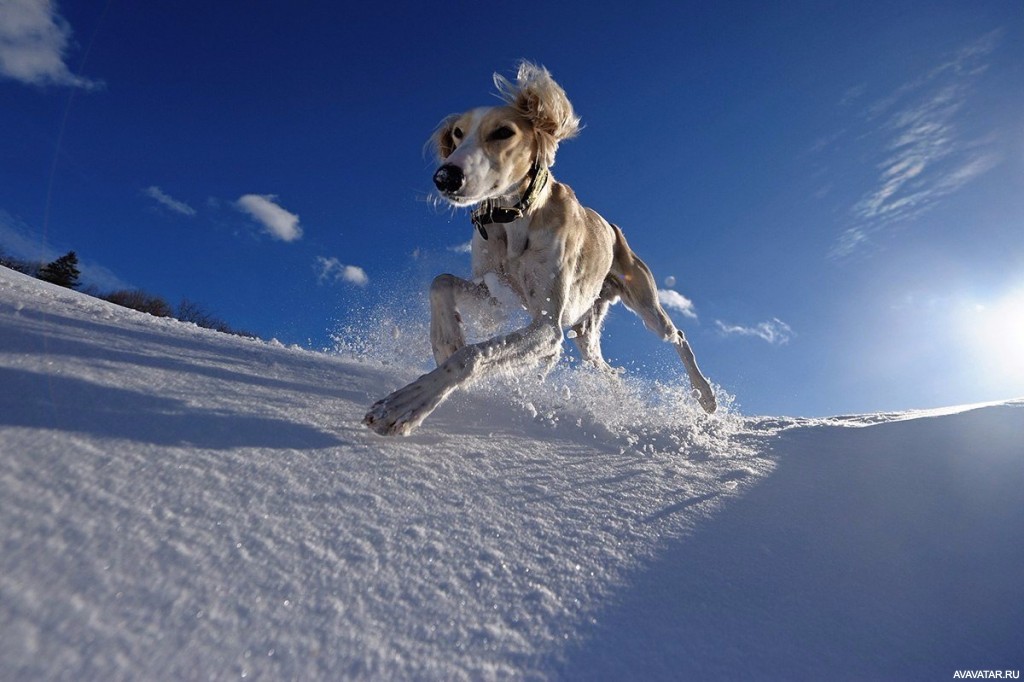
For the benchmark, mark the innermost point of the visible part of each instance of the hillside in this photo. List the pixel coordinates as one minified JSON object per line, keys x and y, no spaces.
{"x":181,"y":504}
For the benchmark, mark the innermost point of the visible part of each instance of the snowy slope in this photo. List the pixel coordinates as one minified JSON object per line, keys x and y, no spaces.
{"x":180,"y":504}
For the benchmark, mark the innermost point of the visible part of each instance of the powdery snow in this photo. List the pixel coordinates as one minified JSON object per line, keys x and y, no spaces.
{"x":181,"y":504}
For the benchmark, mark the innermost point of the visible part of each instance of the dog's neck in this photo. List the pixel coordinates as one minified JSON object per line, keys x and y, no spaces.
{"x":490,"y":210}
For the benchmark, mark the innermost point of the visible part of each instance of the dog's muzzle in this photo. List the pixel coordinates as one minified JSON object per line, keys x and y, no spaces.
{"x":449,"y":179}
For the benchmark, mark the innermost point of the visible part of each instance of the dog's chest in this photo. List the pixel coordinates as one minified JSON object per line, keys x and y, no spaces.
{"x":514,"y":254}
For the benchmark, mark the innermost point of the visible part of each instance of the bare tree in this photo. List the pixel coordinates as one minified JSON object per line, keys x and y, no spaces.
{"x":140,"y":300}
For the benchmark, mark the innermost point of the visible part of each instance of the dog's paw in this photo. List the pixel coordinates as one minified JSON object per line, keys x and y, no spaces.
{"x":386,"y":422}
{"x":707,"y":401}
{"x":704,"y":395}
{"x":603,"y":367}
{"x":401,"y":412}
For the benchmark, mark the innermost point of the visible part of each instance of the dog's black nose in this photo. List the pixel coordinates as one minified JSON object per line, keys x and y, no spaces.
{"x":449,"y":178}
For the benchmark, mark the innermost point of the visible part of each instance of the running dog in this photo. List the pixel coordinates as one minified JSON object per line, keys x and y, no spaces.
{"x":566,"y":264}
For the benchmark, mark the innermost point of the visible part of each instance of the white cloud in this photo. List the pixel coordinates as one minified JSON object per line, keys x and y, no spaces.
{"x":168,"y":202}
{"x":276,"y":221}
{"x":927,"y":147}
{"x":774,"y":331}
{"x":465,"y":247}
{"x":354,"y":275}
{"x":329,"y":269}
{"x":33,"y":42}
{"x":673,"y":300}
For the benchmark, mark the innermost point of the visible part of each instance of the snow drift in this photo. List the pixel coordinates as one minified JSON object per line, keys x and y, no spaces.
{"x":181,"y":504}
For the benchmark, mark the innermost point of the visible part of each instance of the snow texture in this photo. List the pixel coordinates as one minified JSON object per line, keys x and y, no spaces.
{"x":181,"y":504}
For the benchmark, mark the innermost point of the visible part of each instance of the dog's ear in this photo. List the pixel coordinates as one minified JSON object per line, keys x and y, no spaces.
{"x":537,"y":96}
{"x":441,"y":141}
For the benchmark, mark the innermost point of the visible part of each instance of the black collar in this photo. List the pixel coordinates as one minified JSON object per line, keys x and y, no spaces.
{"x":488,"y":213}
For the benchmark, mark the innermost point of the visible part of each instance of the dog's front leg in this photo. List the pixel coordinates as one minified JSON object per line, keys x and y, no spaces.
{"x":587,"y":332}
{"x":405,"y":409}
{"x":447,"y":294}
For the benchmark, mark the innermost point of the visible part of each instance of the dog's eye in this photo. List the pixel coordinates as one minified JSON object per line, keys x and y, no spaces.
{"x":457,"y":133}
{"x":502,"y":133}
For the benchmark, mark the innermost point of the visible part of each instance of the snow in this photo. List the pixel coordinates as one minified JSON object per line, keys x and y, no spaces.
{"x":181,"y":504}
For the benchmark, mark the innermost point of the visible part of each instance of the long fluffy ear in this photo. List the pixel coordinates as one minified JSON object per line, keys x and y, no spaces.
{"x":539,"y":98}
{"x":441,"y":142}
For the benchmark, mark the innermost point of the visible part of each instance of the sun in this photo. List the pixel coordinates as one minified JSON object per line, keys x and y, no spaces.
{"x":994,"y":332}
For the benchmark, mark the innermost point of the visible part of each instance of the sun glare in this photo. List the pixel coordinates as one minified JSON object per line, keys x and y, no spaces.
{"x":995,"y":334}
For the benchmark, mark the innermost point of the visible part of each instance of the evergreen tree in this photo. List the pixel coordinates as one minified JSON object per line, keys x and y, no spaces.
{"x":63,"y":271}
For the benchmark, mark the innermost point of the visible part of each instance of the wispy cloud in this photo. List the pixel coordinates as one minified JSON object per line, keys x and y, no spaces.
{"x":333,"y":270}
{"x":168,"y":202}
{"x":928,"y":149}
{"x":19,"y":240}
{"x":853,"y":94}
{"x":276,"y":221}
{"x":774,"y":331}
{"x":34,"y":41}
{"x":673,"y":300}
{"x":465,"y":247}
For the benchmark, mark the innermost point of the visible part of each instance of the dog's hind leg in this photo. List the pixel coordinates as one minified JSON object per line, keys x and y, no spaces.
{"x":640,"y":294}
{"x":447,"y":294}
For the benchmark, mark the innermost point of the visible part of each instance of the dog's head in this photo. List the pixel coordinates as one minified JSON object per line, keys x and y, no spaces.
{"x":488,"y":152}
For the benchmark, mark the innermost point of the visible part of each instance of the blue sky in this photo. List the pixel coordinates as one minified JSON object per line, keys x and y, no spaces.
{"x":836,"y":189}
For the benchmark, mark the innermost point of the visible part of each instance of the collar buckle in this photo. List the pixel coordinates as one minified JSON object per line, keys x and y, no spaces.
{"x":489,"y":213}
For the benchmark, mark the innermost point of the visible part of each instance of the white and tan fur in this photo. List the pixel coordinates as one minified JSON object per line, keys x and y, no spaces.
{"x":565,"y":262}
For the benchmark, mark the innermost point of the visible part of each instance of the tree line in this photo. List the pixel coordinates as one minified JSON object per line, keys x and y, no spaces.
{"x":64,"y":272}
